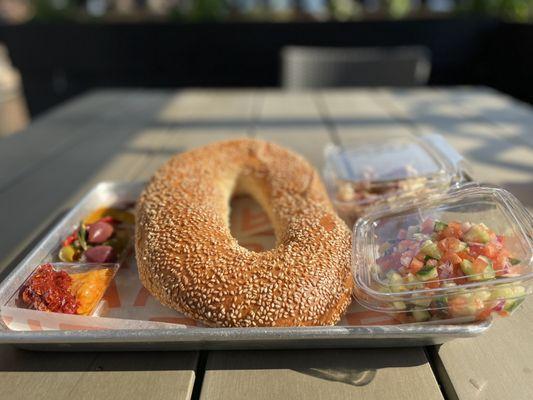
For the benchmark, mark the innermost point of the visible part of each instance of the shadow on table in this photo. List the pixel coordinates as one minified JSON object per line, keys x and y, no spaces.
{"x":356,"y":367}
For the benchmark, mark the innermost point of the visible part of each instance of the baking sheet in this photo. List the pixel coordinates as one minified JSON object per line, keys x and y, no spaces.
{"x":135,"y":320}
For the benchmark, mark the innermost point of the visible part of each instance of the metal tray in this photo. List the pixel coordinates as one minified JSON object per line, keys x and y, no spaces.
{"x":202,"y":338}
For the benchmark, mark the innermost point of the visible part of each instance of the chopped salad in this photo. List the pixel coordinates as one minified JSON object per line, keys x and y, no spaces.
{"x":437,"y":255}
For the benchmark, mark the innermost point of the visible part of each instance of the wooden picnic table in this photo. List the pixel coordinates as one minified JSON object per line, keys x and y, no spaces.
{"x":126,"y":134}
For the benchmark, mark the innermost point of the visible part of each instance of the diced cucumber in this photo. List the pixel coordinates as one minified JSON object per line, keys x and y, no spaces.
{"x":460,"y":247}
{"x":412,"y":283}
{"x":421,"y":302}
{"x":441,"y":302}
{"x":421,"y":315}
{"x":477,"y":233}
{"x":489,"y":273}
{"x":396,"y":283}
{"x":481,"y":295}
{"x":399,"y":305}
{"x":512,"y":304}
{"x":468,"y":306}
{"x":430,"y":248}
{"x":427,"y":273}
{"x":513,"y":296}
{"x":468,"y":269}
{"x":502,"y":293}
{"x":439,"y":226}
{"x":410,"y":278}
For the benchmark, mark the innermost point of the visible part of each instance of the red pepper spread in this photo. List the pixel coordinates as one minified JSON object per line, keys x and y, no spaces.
{"x":48,"y":290}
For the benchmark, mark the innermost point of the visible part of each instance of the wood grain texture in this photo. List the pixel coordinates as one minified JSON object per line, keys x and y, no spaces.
{"x":55,"y":132}
{"x":319,"y":374}
{"x":198,"y":117}
{"x":291,"y":119}
{"x":64,"y":376}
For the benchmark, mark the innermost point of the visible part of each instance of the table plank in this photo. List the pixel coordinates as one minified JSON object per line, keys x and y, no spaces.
{"x":64,"y":376}
{"x":294,"y":120}
{"x":195,"y":118}
{"x":319,"y":374}
{"x":56,"y":131}
{"x":498,"y":364}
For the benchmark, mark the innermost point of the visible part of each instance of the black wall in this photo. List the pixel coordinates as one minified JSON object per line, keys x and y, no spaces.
{"x":58,"y":61}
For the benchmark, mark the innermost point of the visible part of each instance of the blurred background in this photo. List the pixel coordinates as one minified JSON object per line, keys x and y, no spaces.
{"x":53,"y":50}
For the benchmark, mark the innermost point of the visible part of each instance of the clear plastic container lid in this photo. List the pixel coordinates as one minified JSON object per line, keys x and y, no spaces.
{"x":472,"y":239}
{"x":383,"y":168}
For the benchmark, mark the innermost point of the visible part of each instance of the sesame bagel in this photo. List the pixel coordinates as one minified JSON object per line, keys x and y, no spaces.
{"x":188,"y":259}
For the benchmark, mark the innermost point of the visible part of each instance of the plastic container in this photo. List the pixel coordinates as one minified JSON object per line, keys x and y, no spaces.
{"x":465,"y":253}
{"x":384,"y":169}
{"x":87,"y":283}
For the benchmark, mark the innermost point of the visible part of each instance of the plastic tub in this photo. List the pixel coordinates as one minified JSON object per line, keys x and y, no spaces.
{"x":467,"y":252}
{"x":382,"y":170}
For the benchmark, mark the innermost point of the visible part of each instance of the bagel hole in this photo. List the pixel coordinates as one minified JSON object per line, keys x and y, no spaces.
{"x":250,"y":224}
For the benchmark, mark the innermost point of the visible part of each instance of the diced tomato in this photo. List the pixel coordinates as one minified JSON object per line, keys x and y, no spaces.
{"x":416,"y":265}
{"x":458,"y":274}
{"x":401,"y":317}
{"x":453,"y":229}
{"x":499,"y":264}
{"x":490,"y":250}
{"x":457,"y":305}
{"x":420,"y":256}
{"x":427,"y":226}
{"x":432,"y":284}
{"x":475,"y":249}
{"x":503,"y":313}
{"x":449,"y":244}
{"x":465,"y":255}
{"x":484,"y":314}
{"x":69,"y":240}
{"x":451,"y":257}
{"x":479,"y":265}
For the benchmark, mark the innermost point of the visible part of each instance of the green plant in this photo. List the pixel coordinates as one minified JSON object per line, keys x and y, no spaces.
{"x":514,"y":10}
{"x":54,"y":10}
{"x":207,"y":10}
